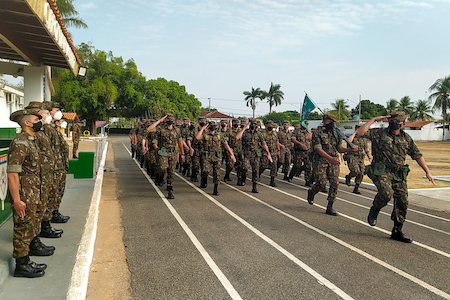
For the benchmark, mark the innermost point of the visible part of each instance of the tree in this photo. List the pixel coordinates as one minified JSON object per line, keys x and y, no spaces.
{"x":273,"y":96}
{"x":340,"y":109}
{"x":251,"y":97}
{"x":392,"y":105}
{"x":406,"y":106}
{"x":69,"y":14}
{"x":441,"y":94}
{"x":369,"y":110}
{"x":422,"y":110}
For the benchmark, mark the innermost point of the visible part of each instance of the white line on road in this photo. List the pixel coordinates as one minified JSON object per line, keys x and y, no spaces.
{"x":222,"y":278}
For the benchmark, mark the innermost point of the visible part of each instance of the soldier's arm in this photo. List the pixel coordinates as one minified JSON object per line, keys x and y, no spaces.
{"x":14,"y":188}
{"x":363,"y":129}
{"x":200,"y":132}
{"x":423,"y":165}
{"x":154,"y":124}
{"x":241,"y":133}
{"x":231,"y":152}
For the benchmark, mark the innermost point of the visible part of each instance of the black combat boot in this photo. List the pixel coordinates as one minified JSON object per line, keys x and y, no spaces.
{"x":204,"y":183}
{"x":142,"y":161}
{"x":324,"y":190}
{"x":292,"y":174}
{"x":398,"y":235}
{"x":356,"y":189}
{"x":227,"y":177}
{"x":272,"y":181}
{"x":170,"y":192}
{"x":132,"y":153}
{"x":286,"y":177}
{"x":194,"y":177}
{"x":309,"y":183}
{"x":330,"y":211}
{"x":188,"y":172}
{"x":372,"y":217}
{"x":160,"y":180}
{"x":310,"y":197}
{"x":47,"y":231}
{"x":26,"y":268}
{"x":254,"y":189}
{"x":243,"y":179}
{"x":348,"y":180}
{"x":239,"y":181}
{"x":216,"y":190}
{"x":57,"y":217}
{"x":37,"y":248}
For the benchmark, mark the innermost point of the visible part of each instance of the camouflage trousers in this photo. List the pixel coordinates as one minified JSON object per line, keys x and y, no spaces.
{"x":266,"y":164}
{"x":26,"y":228}
{"x":44,"y":210}
{"x":187,"y":161}
{"x":150,"y":159}
{"x":285,"y":160}
{"x":57,"y":190}
{"x":230,"y":164}
{"x":167,"y":164}
{"x":392,"y":186}
{"x":301,"y":162}
{"x":356,"y":167}
{"x":251,"y":160}
{"x":212,"y":162}
{"x":76,"y":143}
{"x":324,"y":171}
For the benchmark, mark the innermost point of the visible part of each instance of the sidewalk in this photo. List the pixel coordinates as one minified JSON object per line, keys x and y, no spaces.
{"x":59,"y":277}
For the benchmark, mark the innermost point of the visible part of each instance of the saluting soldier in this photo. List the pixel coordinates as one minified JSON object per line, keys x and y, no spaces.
{"x":166,"y":141}
{"x":186,"y":136}
{"x":355,"y":160}
{"x":299,"y":139}
{"x":24,"y":183}
{"x":388,"y":170}
{"x":196,"y":151}
{"x":212,"y":142}
{"x":271,"y":138}
{"x":76,"y":135}
{"x":236,"y":146}
{"x":252,"y":142}
{"x":327,"y":145}
{"x":284,"y":137}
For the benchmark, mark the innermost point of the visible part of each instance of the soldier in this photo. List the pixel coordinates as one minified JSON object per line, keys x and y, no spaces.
{"x":61,"y":151}
{"x":196,"y":146}
{"x":271,"y":138}
{"x":186,"y":136}
{"x":236,"y":146}
{"x":166,"y":140}
{"x":252,"y":142}
{"x":133,"y":141}
{"x":24,"y":182}
{"x":212,"y":142}
{"x":355,"y":160}
{"x":327,"y":145}
{"x":388,"y":170}
{"x":149,"y":152}
{"x":284,"y":137}
{"x":299,"y":138}
{"x":76,"y":134}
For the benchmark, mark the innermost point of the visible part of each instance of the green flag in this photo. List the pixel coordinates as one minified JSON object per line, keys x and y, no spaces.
{"x":308,"y":106}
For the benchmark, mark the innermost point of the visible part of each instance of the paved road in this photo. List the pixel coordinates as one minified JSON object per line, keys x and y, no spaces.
{"x":272,"y":245}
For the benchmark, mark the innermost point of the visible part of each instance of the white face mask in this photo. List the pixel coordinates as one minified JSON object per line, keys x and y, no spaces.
{"x":48,"y":120}
{"x":64,"y":125}
{"x":58,"y":115}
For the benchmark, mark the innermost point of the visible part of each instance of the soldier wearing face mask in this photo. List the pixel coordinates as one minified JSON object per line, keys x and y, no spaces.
{"x":284,"y":137}
{"x":271,"y":138}
{"x":236,"y":146}
{"x":300,"y":138}
{"x":167,"y":141}
{"x":185,"y":134}
{"x":388,"y":170}
{"x":327,"y":145}
{"x":196,"y":151}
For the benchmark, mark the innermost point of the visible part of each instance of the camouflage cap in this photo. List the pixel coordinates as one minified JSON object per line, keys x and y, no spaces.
{"x":19,"y":114}
{"x":297,"y":126}
{"x":269,"y":122}
{"x":236,"y":121}
{"x":286,"y":122}
{"x":212,"y":123}
{"x":186,"y":119}
{"x":170,"y":117}
{"x":253,"y":120}
{"x":223,"y":121}
{"x":399,"y":116}
{"x":201,"y":118}
{"x":52,"y":105}
{"x":329,"y":117}
{"x":38,"y":105}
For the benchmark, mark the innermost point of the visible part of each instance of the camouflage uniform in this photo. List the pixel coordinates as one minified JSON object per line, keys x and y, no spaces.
{"x":132,"y":136}
{"x":186,"y":136}
{"x":151,"y":155}
{"x":167,"y":152}
{"x":236,"y":146}
{"x":284,"y":136}
{"x":212,"y":155}
{"x":300,"y":155}
{"x":196,"y":159}
{"x":271,"y":139}
{"x":251,"y":144}
{"x":25,"y":160}
{"x":355,"y":160}
{"x":392,"y":182}
{"x":76,"y":139}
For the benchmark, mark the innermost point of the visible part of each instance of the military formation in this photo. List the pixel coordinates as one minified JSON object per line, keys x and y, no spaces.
{"x":37,"y":168}
{"x":199,"y":149}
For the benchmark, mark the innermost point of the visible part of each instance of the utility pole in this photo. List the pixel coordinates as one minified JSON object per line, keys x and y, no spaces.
{"x":359,"y":113}
{"x":209,"y":107}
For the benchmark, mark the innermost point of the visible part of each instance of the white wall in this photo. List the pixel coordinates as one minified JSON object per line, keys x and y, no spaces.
{"x":11,"y":100}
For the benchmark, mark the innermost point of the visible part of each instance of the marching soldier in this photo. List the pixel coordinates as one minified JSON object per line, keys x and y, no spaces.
{"x":271,"y":138}
{"x":300,"y":139}
{"x":327,"y":145}
{"x":196,"y":145}
{"x":236,"y":146}
{"x":149,"y":152}
{"x":165,"y":141}
{"x":76,"y":134}
{"x":252,"y":142}
{"x":388,"y":170}
{"x":284,"y":137}
{"x":355,"y":160}
{"x":133,"y":140}
{"x":212,"y":142}
{"x":186,"y":135}
{"x":24,"y":182}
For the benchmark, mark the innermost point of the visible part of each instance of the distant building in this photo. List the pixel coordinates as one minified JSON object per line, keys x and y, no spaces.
{"x":11,"y":99}
{"x":215,"y":116}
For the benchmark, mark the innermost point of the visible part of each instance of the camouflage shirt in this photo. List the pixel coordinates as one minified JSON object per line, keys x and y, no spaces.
{"x":328,"y":141}
{"x":46,"y":154}
{"x":394,"y":148}
{"x":57,"y":141}
{"x":284,"y":138}
{"x":24,"y":159}
{"x":363,"y":147}
{"x":232,"y":141}
{"x":167,"y":138}
{"x":212,"y":142}
{"x":271,"y":139}
{"x":252,"y":141}
{"x":300,"y":136}
{"x":76,"y":132}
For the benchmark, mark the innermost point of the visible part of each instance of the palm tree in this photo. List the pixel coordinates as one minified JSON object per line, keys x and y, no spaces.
{"x":250,"y":97}
{"x":69,"y":14}
{"x":406,"y":106}
{"x":422,"y":110}
{"x":274,"y":95}
{"x":340,"y":109}
{"x":441,"y":94}
{"x":392,"y":105}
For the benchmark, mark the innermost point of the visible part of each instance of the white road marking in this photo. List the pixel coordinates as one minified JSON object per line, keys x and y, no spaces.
{"x":222,"y":278}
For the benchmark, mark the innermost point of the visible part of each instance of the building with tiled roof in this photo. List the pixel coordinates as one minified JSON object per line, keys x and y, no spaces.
{"x":215,"y":116}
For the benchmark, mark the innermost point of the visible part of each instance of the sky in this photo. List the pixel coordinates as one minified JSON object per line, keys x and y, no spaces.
{"x":330,"y":49}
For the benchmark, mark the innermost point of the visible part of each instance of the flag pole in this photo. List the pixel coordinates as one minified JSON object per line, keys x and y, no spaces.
{"x":317,"y":106}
